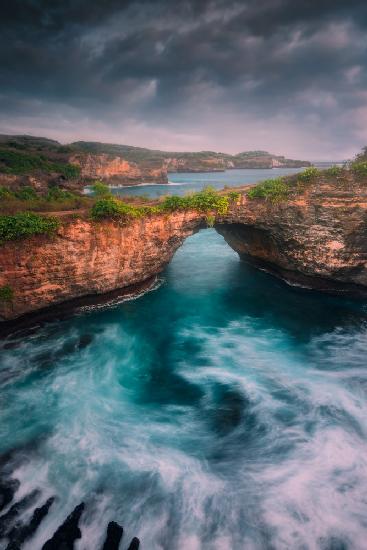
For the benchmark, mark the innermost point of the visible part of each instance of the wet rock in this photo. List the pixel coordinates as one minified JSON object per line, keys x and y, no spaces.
{"x":114,"y":535}
{"x":7,"y":520}
{"x":20,"y":533}
{"x":134,"y":544}
{"x":67,"y":533}
{"x":7,"y":491}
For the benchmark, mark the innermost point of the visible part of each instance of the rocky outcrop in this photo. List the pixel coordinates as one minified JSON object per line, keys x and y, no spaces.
{"x":87,"y":258}
{"x":317,"y":238}
{"x":115,"y":169}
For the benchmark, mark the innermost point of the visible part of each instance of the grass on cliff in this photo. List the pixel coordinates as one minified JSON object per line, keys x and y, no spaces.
{"x":280,"y":189}
{"x":207,"y":200}
{"x":26,"y":224}
{"x":273,"y":190}
{"x":54,"y":200}
{"x":18,"y":163}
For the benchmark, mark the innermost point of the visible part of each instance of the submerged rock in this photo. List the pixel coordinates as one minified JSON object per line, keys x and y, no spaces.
{"x":20,"y":533}
{"x":114,"y":535}
{"x":7,"y":519}
{"x":7,"y":490}
{"x":67,"y":533}
{"x":134,"y":544}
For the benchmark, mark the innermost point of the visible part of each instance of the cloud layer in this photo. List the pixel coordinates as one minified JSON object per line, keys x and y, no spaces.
{"x":210,"y":74}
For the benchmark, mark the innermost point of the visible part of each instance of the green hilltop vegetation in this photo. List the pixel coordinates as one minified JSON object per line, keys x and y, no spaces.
{"x":20,"y":155}
{"x":192,"y":160}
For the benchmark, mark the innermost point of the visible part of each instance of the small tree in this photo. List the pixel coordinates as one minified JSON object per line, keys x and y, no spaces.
{"x":100,"y":189}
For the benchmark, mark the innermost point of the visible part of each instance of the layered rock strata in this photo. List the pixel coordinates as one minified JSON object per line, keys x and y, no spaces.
{"x":317,"y":238}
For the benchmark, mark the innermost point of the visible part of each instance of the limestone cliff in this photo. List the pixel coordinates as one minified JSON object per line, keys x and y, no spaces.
{"x":89,"y":258}
{"x":115,"y":169}
{"x":316,"y":238}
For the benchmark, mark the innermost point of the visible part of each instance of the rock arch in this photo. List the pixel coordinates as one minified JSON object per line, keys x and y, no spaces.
{"x":317,"y":239}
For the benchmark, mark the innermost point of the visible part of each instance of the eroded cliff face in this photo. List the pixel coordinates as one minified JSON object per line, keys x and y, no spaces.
{"x":115,"y":169}
{"x":86,"y":258}
{"x":317,"y":238}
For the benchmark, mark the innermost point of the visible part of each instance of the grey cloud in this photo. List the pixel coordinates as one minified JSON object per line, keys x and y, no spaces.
{"x":176,"y":64}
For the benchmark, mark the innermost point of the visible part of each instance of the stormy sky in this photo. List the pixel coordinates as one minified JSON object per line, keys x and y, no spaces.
{"x":289,"y":76}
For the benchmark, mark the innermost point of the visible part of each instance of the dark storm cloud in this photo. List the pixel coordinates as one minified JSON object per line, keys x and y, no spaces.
{"x":138,"y":64}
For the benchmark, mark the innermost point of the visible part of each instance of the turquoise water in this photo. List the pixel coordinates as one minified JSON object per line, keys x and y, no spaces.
{"x":181,"y":183}
{"x":223,"y":410}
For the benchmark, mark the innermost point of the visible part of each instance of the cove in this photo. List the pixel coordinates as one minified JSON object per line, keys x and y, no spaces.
{"x":222,"y":410}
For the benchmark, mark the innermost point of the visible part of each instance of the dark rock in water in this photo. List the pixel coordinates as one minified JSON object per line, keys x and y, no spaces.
{"x":134,"y":544}
{"x":114,"y":535}
{"x":84,"y":341}
{"x":7,"y":520}
{"x":11,"y":345}
{"x":7,"y":491}
{"x":67,"y":533}
{"x":21,"y":533}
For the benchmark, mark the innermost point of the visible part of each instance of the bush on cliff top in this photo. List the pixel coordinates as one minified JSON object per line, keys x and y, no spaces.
{"x":359,"y":169}
{"x":26,"y":224}
{"x":204,"y":201}
{"x":110,"y":207}
{"x":334,"y":171}
{"x":273,"y":190}
{"x":308,"y":175}
{"x":100,"y":189}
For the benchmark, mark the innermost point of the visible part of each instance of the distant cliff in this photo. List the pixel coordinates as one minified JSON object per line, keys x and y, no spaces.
{"x":202,"y":161}
{"x":39,"y":162}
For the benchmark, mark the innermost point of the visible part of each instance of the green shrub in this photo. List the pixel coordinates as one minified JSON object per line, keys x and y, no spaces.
{"x":210,"y":220}
{"x":57,"y":194}
{"x":5,"y":193}
{"x":334,"y":171}
{"x":273,"y":190}
{"x":362,"y":156}
{"x":234,"y":196}
{"x":26,"y":193}
{"x":308,"y":175}
{"x":204,"y":201}
{"x":100,"y":189}
{"x":6,"y":293}
{"x":359,"y":169}
{"x":113,"y":208}
{"x":174,"y":202}
{"x":25,"y":224}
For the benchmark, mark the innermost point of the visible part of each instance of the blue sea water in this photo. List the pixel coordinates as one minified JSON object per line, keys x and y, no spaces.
{"x":181,"y":183}
{"x":223,"y":410}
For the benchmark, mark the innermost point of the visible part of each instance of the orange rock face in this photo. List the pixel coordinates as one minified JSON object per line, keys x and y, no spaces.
{"x":89,"y":258}
{"x":317,"y":239}
{"x":119,"y":170}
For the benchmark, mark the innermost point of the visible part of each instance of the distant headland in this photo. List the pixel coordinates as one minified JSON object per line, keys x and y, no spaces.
{"x":42,"y":160}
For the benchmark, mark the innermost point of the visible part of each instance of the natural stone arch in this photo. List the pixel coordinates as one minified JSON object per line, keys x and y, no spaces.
{"x":318,"y":238}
